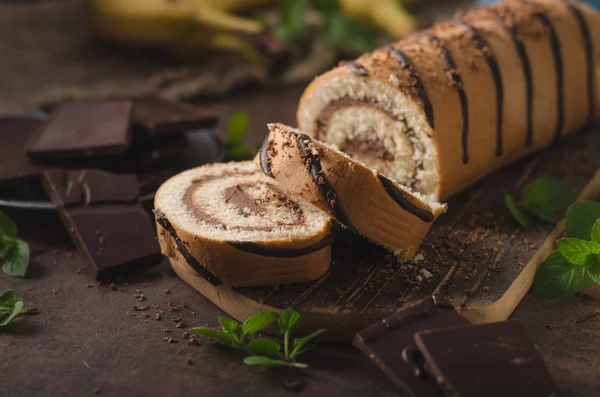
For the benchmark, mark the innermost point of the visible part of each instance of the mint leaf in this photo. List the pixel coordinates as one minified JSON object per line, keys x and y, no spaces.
{"x":264,"y":347}
{"x":299,"y":342}
{"x":292,"y":15}
{"x":546,"y":196}
{"x":327,"y":6}
{"x":266,"y":361}
{"x":11,"y":305}
{"x":581,"y":217}
{"x":229,"y":326}
{"x":218,"y":336}
{"x":7,"y":226}
{"x":4,"y":250}
{"x":238,"y":126}
{"x":288,"y":320}
{"x":348,"y":35}
{"x":16,"y":260}
{"x":520,"y":215}
{"x":579,"y":252}
{"x":596,"y":232}
{"x":557,"y":278}
{"x":258,"y":322}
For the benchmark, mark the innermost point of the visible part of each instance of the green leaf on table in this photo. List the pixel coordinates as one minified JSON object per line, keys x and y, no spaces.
{"x":264,"y":347}
{"x":218,"y":336}
{"x":517,"y":212}
{"x":557,"y":278}
{"x":238,"y":127}
{"x":292,"y":17}
{"x":288,"y":320}
{"x":596,"y":232}
{"x":258,"y":322}
{"x":327,"y":6}
{"x":266,"y":361}
{"x":11,"y":305}
{"x":348,"y":35}
{"x":5,"y":249}
{"x":229,"y":326}
{"x":579,"y":252}
{"x":300,"y":342}
{"x":580,"y":219}
{"x":16,"y":260}
{"x":7,"y":226}
{"x":546,"y":196}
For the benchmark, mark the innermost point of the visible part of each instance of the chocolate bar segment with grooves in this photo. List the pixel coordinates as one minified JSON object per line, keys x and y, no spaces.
{"x":491,"y":360}
{"x":15,"y":166}
{"x":157,"y":116}
{"x":105,"y":219}
{"x":83,"y":129}
{"x":390,"y":343}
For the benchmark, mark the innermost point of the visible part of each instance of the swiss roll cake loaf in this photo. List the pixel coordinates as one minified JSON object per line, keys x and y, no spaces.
{"x":448,"y":105}
{"x":361,"y":199}
{"x":234,"y":225}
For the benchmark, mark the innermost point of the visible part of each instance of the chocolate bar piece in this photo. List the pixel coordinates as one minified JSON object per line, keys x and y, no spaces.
{"x":390,"y":343}
{"x":486,"y":360}
{"x":15,"y":166}
{"x":157,"y":116}
{"x":105,"y":219}
{"x":82,"y":130}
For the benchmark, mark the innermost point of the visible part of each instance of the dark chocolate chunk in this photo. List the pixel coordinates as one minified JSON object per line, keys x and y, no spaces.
{"x":390,"y":343}
{"x":81,"y":130}
{"x":150,"y":181}
{"x":157,"y":116}
{"x":15,"y":166}
{"x":486,"y":360}
{"x":105,"y":219}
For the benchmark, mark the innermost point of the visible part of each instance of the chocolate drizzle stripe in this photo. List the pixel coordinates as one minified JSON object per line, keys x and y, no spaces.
{"x":406,"y":63}
{"x":162,"y":220}
{"x":258,"y":249}
{"x":490,"y":59}
{"x":399,"y":197}
{"x":356,"y":68}
{"x":458,"y":85}
{"x":589,"y":57}
{"x":513,"y":30}
{"x":558,"y":63}
{"x":264,"y":157}
{"x":325,"y":189}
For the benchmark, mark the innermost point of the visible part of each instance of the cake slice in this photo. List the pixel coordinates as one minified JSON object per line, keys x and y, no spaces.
{"x":234,"y":225}
{"x":360,"y":198}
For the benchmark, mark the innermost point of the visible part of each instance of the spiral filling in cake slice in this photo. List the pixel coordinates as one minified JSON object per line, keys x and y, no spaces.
{"x":360,"y":198}
{"x":235,"y":225}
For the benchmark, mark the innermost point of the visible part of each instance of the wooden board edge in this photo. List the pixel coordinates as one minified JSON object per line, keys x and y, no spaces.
{"x":343,"y":325}
{"x":502,"y":308}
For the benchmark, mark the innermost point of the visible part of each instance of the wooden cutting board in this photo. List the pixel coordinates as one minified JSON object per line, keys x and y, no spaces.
{"x":475,"y":255}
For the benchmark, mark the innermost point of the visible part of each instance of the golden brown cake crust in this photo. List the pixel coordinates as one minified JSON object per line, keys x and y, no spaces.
{"x":499,"y":82}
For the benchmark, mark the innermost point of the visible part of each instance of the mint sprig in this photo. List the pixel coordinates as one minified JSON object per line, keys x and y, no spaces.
{"x":14,"y":252}
{"x":576,"y":262}
{"x":542,"y":199}
{"x":236,"y":148}
{"x":11,"y":305}
{"x":263,"y":351}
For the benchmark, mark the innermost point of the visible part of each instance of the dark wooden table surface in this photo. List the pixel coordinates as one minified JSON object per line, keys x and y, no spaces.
{"x":87,"y":337}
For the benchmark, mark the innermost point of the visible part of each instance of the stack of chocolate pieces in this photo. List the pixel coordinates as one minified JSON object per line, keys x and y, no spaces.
{"x":95,"y":159}
{"x":429,"y":349}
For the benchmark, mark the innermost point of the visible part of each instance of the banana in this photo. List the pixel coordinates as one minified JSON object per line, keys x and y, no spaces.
{"x":181,"y":24}
{"x":388,"y":15}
